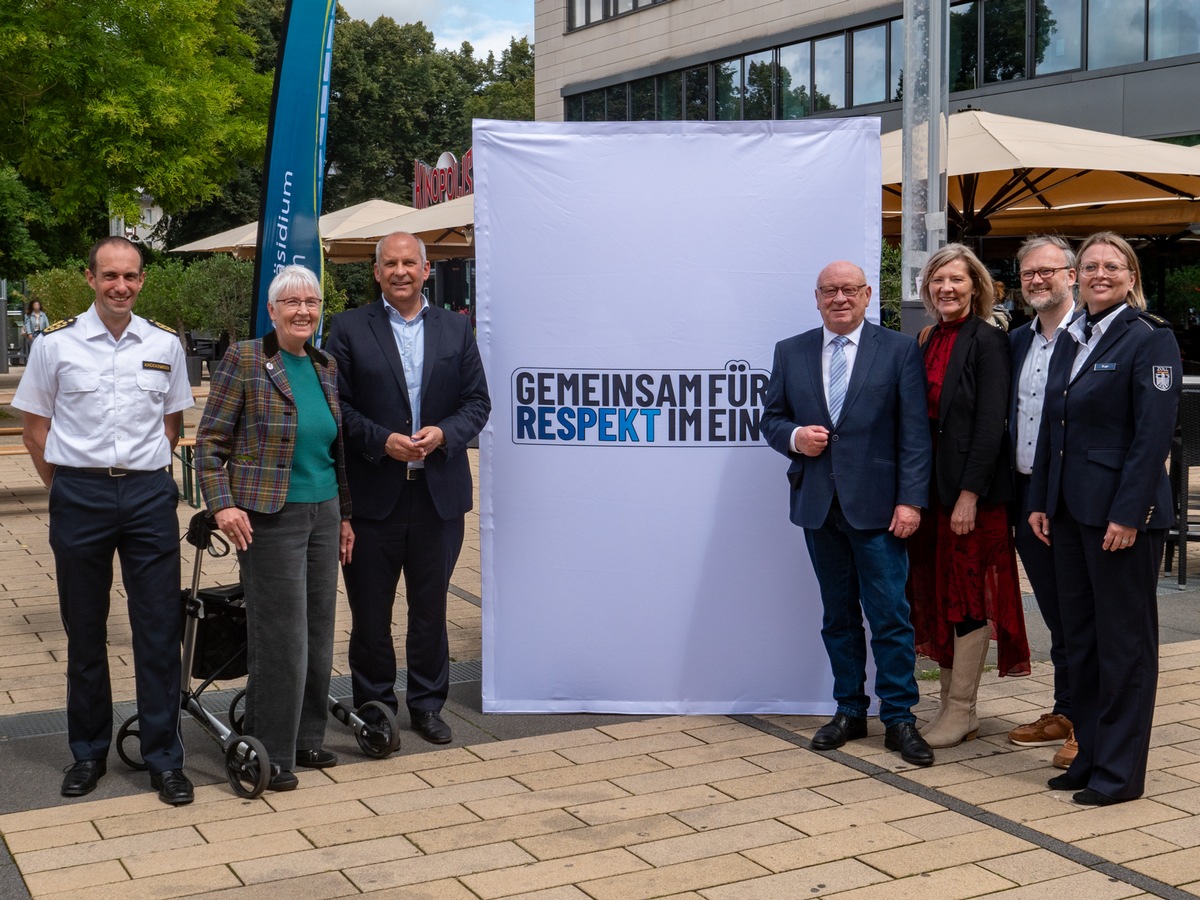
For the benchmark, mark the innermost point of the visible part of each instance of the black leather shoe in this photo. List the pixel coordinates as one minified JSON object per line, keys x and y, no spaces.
{"x":316,"y":759}
{"x":1065,"y":782}
{"x":1088,"y":797}
{"x":913,"y":748}
{"x":173,"y":787}
{"x":82,"y":776}
{"x":282,"y":780}
{"x":429,"y":725}
{"x":837,"y":731}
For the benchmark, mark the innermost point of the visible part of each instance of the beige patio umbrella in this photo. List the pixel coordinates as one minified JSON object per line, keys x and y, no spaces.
{"x":1002,"y":167}
{"x":242,"y":241}
{"x":236,"y":241}
{"x":448,"y":230}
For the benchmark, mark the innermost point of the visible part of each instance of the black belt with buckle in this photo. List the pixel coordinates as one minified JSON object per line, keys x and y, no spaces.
{"x":108,"y":471}
{"x":411,"y":474}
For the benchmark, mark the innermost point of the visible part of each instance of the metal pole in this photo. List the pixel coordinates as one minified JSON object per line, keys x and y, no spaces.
{"x":926,"y":106}
{"x":4,"y":326}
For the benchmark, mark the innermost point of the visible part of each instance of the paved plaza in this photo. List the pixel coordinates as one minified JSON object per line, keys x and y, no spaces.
{"x":577,"y":806}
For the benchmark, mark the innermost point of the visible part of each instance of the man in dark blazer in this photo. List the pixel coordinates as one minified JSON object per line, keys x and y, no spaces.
{"x":1046,"y":265}
{"x":846,"y":404}
{"x":413,"y":393}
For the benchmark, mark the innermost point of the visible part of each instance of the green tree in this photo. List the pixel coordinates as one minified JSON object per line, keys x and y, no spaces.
{"x":217,"y":292}
{"x":160,"y":298}
{"x":20,"y":211}
{"x":63,"y":292}
{"x":106,"y":99}
{"x":507,"y":92}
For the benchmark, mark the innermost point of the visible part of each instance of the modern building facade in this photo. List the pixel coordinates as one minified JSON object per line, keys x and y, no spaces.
{"x":1122,"y":66}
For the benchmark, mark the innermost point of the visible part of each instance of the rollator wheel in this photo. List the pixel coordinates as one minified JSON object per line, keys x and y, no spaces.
{"x":247,"y":766}
{"x":131,"y":734}
{"x":381,"y":737}
{"x":237,"y":712}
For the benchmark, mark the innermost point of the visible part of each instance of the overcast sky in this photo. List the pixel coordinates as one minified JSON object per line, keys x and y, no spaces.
{"x":487,"y":24}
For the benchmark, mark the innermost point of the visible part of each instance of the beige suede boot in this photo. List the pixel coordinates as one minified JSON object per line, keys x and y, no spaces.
{"x":958,"y":721}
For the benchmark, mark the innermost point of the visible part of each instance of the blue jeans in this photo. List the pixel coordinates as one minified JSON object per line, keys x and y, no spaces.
{"x":289,"y":573}
{"x":863,"y":573}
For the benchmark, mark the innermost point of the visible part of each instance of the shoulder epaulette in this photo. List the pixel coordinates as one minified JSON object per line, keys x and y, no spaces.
{"x":1156,"y":321}
{"x":166,"y":328}
{"x":60,"y":325}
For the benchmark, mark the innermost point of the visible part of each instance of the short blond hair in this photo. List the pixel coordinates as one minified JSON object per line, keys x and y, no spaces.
{"x":983,"y":291}
{"x":1135,"y":297}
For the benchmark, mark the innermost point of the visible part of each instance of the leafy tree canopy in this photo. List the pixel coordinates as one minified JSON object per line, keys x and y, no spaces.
{"x":103,"y":99}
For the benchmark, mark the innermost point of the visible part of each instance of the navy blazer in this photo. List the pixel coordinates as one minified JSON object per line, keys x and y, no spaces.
{"x":374,"y":397}
{"x":1106,"y":433}
{"x":972,"y":450}
{"x":879,"y":454}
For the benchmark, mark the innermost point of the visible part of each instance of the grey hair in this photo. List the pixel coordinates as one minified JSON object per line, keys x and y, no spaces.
{"x":289,"y":278}
{"x":420,"y":245}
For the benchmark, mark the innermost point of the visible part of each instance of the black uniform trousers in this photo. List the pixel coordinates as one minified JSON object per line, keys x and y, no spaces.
{"x":134,"y":515}
{"x":1038,"y":560}
{"x":1110,"y":615}
{"x":412,"y":539}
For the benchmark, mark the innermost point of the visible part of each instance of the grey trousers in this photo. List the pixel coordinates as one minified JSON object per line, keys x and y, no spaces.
{"x":289,"y":573}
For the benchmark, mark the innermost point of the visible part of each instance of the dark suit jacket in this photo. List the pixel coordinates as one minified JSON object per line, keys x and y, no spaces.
{"x":374,"y":395}
{"x":248,"y":431}
{"x":972,"y":449}
{"x":879,"y":452}
{"x":1106,"y":433}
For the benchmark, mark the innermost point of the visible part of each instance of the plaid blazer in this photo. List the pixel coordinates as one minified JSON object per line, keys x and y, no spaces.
{"x":248,"y":430}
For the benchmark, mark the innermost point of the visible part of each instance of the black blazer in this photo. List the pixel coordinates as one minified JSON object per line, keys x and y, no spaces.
{"x":972,"y":441}
{"x":374,"y":398}
{"x":1106,"y":432}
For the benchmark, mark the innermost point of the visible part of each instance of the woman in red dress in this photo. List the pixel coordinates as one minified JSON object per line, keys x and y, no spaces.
{"x":963,"y":582}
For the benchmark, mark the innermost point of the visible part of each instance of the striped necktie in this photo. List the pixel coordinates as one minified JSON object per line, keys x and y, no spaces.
{"x":837,"y":377}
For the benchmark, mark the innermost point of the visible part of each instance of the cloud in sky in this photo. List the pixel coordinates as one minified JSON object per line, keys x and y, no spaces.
{"x":486,"y":24}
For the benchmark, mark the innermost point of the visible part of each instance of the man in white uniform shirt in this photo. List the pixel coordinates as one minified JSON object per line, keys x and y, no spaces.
{"x":103,"y":399}
{"x":1047,"y":270}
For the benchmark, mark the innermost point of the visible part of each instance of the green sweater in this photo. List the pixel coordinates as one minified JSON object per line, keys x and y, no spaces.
{"x":314,"y":473}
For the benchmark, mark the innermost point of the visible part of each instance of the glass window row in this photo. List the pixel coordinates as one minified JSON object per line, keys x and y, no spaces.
{"x":991,"y":41}
{"x":588,"y":12}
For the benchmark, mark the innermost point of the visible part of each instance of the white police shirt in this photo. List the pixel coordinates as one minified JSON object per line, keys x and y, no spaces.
{"x":105,"y":397}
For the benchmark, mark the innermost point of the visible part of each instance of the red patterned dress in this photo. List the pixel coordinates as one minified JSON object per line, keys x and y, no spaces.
{"x":955,"y":578}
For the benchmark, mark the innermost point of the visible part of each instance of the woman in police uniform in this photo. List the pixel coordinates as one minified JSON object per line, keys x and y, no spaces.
{"x":1101,"y":500}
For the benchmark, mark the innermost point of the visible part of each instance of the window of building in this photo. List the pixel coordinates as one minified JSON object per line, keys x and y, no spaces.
{"x":575,"y":108}
{"x":1116,"y":33}
{"x":588,"y":12}
{"x":1058,"y":36}
{"x":695,"y":94}
{"x":795,"y":69}
{"x":964,"y":46}
{"x":1003,"y":40}
{"x":896,"y":64}
{"x":757,"y":93}
{"x":617,"y":104}
{"x":829,"y":73}
{"x":1174,"y":28}
{"x":727,"y":90}
{"x":869,"y":65}
{"x":593,"y":106}
{"x":670,"y":97}
{"x":641,"y":100}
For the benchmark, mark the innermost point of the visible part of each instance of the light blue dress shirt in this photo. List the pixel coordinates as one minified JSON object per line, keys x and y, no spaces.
{"x":410,"y":342}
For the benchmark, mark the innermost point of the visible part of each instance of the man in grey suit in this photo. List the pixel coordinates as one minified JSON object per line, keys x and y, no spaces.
{"x":846,"y":405}
{"x":413,"y":394}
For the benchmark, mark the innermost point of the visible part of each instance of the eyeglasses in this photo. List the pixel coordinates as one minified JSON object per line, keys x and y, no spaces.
{"x":1110,"y":268}
{"x":291,"y":304}
{"x":849,"y":291}
{"x":1044,"y":274}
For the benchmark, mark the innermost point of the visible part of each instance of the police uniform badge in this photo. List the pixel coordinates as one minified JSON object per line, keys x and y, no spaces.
{"x":1162,"y":377}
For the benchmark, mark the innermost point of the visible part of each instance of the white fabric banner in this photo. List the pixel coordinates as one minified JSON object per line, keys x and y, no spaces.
{"x":633,"y":280}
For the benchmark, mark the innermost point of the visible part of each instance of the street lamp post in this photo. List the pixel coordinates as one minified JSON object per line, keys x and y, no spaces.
{"x":926,"y":106}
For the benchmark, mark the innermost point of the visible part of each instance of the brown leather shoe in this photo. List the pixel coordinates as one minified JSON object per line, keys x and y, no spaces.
{"x":1066,"y":753}
{"x":1048,"y":730}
